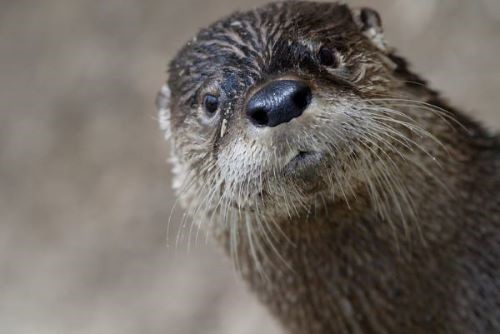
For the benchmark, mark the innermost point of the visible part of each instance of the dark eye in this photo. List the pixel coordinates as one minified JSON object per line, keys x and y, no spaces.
{"x":328,"y":57}
{"x":210,"y":104}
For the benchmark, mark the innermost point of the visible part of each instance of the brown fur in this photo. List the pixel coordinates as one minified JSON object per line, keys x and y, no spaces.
{"x":395,"y":231}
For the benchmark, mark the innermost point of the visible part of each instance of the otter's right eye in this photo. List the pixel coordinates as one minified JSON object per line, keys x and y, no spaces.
{"x":210,"y":104}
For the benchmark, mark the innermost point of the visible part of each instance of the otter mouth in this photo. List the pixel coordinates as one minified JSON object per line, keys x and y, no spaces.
{"x":302,"y":167}
{"x":303,"y":162}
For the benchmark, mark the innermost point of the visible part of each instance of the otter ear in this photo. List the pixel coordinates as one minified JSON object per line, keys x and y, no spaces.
{"x":163,"y":109}
{"x":370,"y":24}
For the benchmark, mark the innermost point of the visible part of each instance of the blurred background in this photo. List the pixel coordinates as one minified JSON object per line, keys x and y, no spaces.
{"x":84,"y":185}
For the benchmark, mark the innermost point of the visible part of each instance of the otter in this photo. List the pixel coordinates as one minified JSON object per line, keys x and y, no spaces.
{"x":350,"y":195}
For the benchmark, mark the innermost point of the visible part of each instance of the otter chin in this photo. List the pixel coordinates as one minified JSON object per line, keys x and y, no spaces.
{"x":351,"y":196}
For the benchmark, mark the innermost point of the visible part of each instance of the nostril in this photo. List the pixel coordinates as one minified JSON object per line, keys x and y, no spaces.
{"x":259,"y":116}
{"x":302,"y":97}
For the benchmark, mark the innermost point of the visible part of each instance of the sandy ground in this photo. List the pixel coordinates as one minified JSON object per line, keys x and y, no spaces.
{"x":84,"y":187}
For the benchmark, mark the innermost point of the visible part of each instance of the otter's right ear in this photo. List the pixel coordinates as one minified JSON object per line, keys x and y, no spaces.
{"x":163,"y":109}
{"x":370,"y":24}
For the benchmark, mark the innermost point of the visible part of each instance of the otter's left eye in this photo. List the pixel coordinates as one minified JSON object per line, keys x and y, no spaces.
{"x":328,"y":57}
{"x":210,"y":104}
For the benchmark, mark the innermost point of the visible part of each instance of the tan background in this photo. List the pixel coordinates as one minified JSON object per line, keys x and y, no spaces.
{"x":84,"y":188}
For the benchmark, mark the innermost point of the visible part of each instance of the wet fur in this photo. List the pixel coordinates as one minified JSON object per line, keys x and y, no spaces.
{"x":397,"y":229}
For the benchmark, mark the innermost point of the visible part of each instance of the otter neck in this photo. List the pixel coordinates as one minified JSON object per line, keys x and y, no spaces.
{"x":346,"y":274}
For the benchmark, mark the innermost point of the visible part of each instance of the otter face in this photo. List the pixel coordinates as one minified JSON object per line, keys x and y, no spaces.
{"x":276,"y":105}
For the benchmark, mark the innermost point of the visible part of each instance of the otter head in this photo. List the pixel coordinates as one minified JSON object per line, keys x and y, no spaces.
{"x":273,"y":109}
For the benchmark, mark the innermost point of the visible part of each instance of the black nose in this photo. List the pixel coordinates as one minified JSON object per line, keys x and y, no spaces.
{"x":278,"y":102}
